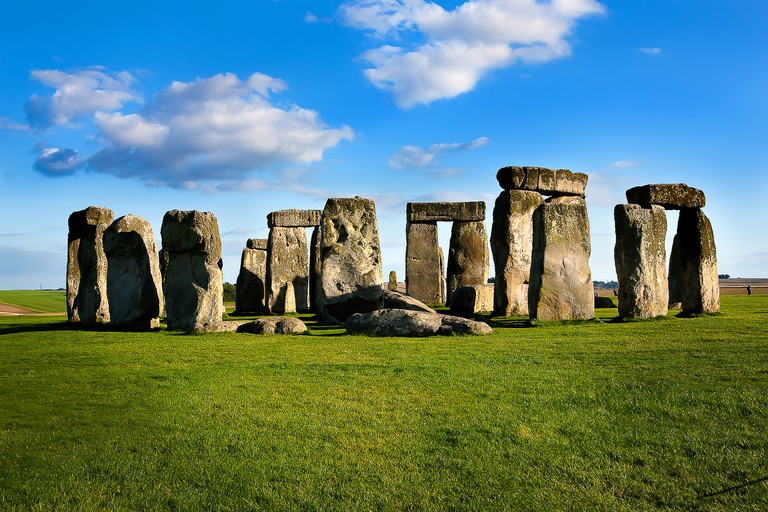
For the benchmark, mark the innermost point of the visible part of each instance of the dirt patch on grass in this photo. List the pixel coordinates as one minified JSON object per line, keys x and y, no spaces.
{"x":5,"y":309}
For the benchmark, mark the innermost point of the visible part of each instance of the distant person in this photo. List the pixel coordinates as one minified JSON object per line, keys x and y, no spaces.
{"x":749,"y":289}
{"x":615,"y":292}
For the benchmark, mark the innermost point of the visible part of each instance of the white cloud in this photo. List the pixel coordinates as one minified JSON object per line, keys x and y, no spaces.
{"x":8,"y":124}
{"x":310,"y":18}
{"x":651,"y":51}
{"x":438,"y":54}
{"x":78,"y":95}
{"x":58,"y":162}
{"x":426,"y":159}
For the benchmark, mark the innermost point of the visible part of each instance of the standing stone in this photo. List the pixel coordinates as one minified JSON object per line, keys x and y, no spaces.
{"x":512,"y":245}
{"x":701,"y":288}
{"x":443,"y":282}
{"x":250,"y":289}
{"x":468,"y":255}
{"x":87,"y":266}
{"x":392,"y":285}
{"x":640,"y":258}
{"x":423,"y":273}
{"x":193,"y":285}
{"x":351,"y":273}
{"x":287,"y":262}
{"x":675,"y":279}
{"x":561,"y":282}
{"x":134,"y":283}
{"x":314,"y":269}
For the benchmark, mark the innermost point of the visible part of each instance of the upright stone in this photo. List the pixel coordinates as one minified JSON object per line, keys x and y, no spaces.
{"x":134,"y":283}
{"x":675,"y":279}
{"x":193,"y":285}
{"x":287,"y":262}
{"x":640,"y":258}
{"x":351,"y":273}
{"x":468,"y":255}
{"x":422,"y":262}
{"x":87,"y":266}
{"x":314,"y":269}
{"x":701,"y":288}
{"x":561,"y":282}
{"x":250,"y":290}
{"x":392,"y":285}
{"x":512,"y":245}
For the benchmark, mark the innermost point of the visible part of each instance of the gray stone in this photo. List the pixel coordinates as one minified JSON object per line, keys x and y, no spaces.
{"x":392,"y":285}
{"x":406,"y":323}
{"x":468,"y":255}
{"x":512,"y":245}
{"x":314,"y":269}
{"x":560,"y":182}
{"x":351,"y":273}
{"x":561,"y":282}
{"x":443,"y":211}
{"x":698,"y":255}
{"x":468,"y":300}
{"x":640,"y":258}
{"x":193,"y":285}
{"x":250,"y":291}
{"x":397,"y":300}
{"x":604,"y":302}
{"x":287,"y":262}
{"x":134,"y":283}
{"x":294,"y":218}
{"x":423,"y":273}
{"x":675,"y":278}
{"x":87,"y":266}
{"x":274,"y":325}
{"x":672,"y":196}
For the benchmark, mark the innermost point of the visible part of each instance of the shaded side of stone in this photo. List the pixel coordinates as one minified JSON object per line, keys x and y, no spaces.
{"x":698,"y":255}
{"x":193,"y":286}
{"x":512,"y":245}
{"x":250,"y":292}
{"x":351,"y":272}
{"x":640,"y":259}
{"x":672,"y":196}
{"x":294,"y":218}
{"x":549,"y":182}
{"x":287,"y":262}
{"x":134,"y":283}
{"x":87,"y":301}
{"x":466,"y":301}
{"x":422,"y":262}
{"x":675,"y":279}
{"x":394,"y":299}
{"x":468,"y":255}
{"x":561,"y":281}
{"x":314,"y":269}
{"x":444,"y":211}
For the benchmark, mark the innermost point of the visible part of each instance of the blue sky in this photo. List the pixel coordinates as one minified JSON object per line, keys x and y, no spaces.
{"x":242,"y":108}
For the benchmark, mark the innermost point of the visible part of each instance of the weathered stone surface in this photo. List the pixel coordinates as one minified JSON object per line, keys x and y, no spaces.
{"x":314,"y":269}
{"x":134,"y":283}
{"x":512,"y":245}
{"x":672,"y":196}
{"x":294,"y":218}
{"x":287,"y":262}
{"x":87,"y":266}
{"x":396,"y":300}
{"x":443,"y":211}
{"x":274,"y":325}
{"x":406,"y":323}
{"x":604,"y":303}
{"x":468,"y":255}
{"x":392,"y":285}
{"x":560,"y":182}
{"x":423,"y":271}
{"x":561,"y":282}
{"x":351,"y":272}
{"x":250,"y":292}
{"x":698,"y":256}
{"x":468,"y":300}
{"x":193,"y":285}
{"x":675,"y":279}
{"x":640,"y":259}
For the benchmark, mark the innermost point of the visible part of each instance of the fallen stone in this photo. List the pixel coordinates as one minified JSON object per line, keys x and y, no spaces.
{"x":604,"y":303}
{"x":672,"y":196}
{"x":468,"y":300}
{"x":274,"y":325}
{"x":250,"y":289}
{"x":560,"y":182}
{"x":423,"y":269}
{"x":87,"y":301}
{"x":406,"y":323}
{"x":287,"y":263}
{"x":698,"y":255}
{"x":640,"y":259}
{"x":397,"y":300}
{"x":443,"y":211}
{"x":294,"y":218}
{"x":468,"y":255}
{"x":134,"y":283}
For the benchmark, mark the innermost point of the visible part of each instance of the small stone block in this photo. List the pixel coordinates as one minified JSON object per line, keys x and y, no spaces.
{"x":294,"y":218}
{"x":257,"y":243}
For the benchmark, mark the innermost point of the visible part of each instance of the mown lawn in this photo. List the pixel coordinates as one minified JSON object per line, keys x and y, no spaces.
{"x":36,"y":300}
{"x":600,"y":415}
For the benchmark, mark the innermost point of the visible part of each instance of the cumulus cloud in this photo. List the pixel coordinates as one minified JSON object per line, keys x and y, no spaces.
{"x":434,"y":53}
{"x":78,"y":95}
{"x":426,"y":158}
{"x":58,"y":162}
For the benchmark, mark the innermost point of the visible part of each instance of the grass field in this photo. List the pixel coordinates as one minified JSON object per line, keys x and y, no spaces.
{"x":600,"y":415}
{"x":36,"y":300}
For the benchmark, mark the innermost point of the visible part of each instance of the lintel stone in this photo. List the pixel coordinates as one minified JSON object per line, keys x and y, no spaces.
{"x":549,"y":182}
{"x":444,"y":211}
{"x":672,"y":196}
{"x":294,"y":218}
{"x":257,"y":243}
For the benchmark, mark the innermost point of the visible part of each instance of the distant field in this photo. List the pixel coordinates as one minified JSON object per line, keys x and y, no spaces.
{"x":37,"y":301}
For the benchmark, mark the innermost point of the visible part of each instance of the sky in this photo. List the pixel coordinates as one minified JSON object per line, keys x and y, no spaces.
{"x":242,"y":108}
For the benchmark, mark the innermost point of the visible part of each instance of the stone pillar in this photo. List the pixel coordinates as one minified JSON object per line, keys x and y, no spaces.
{"x":250,"y":289}
{"x":422,"y":263}
{"x":698,"y":257}
{"x":468,"y":255}
{"x":561,"y":282}
{"x":512,"y":245}
{"x":351,"y":271}
{"x":87,"y":301}
{"x":134,"y":284}
{"x":392,"y":285}
{"x":314,"y":269}
{"x":287,"y":262}
{"x":193,"y":284}
{"x":640,"y":258}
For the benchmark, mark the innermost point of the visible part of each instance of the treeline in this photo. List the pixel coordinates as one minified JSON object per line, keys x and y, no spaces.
{"x":605,"y":285}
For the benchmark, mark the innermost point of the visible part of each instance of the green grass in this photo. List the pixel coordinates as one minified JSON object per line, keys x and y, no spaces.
{"x":37,"y":301}
{"x":669,"y":414}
